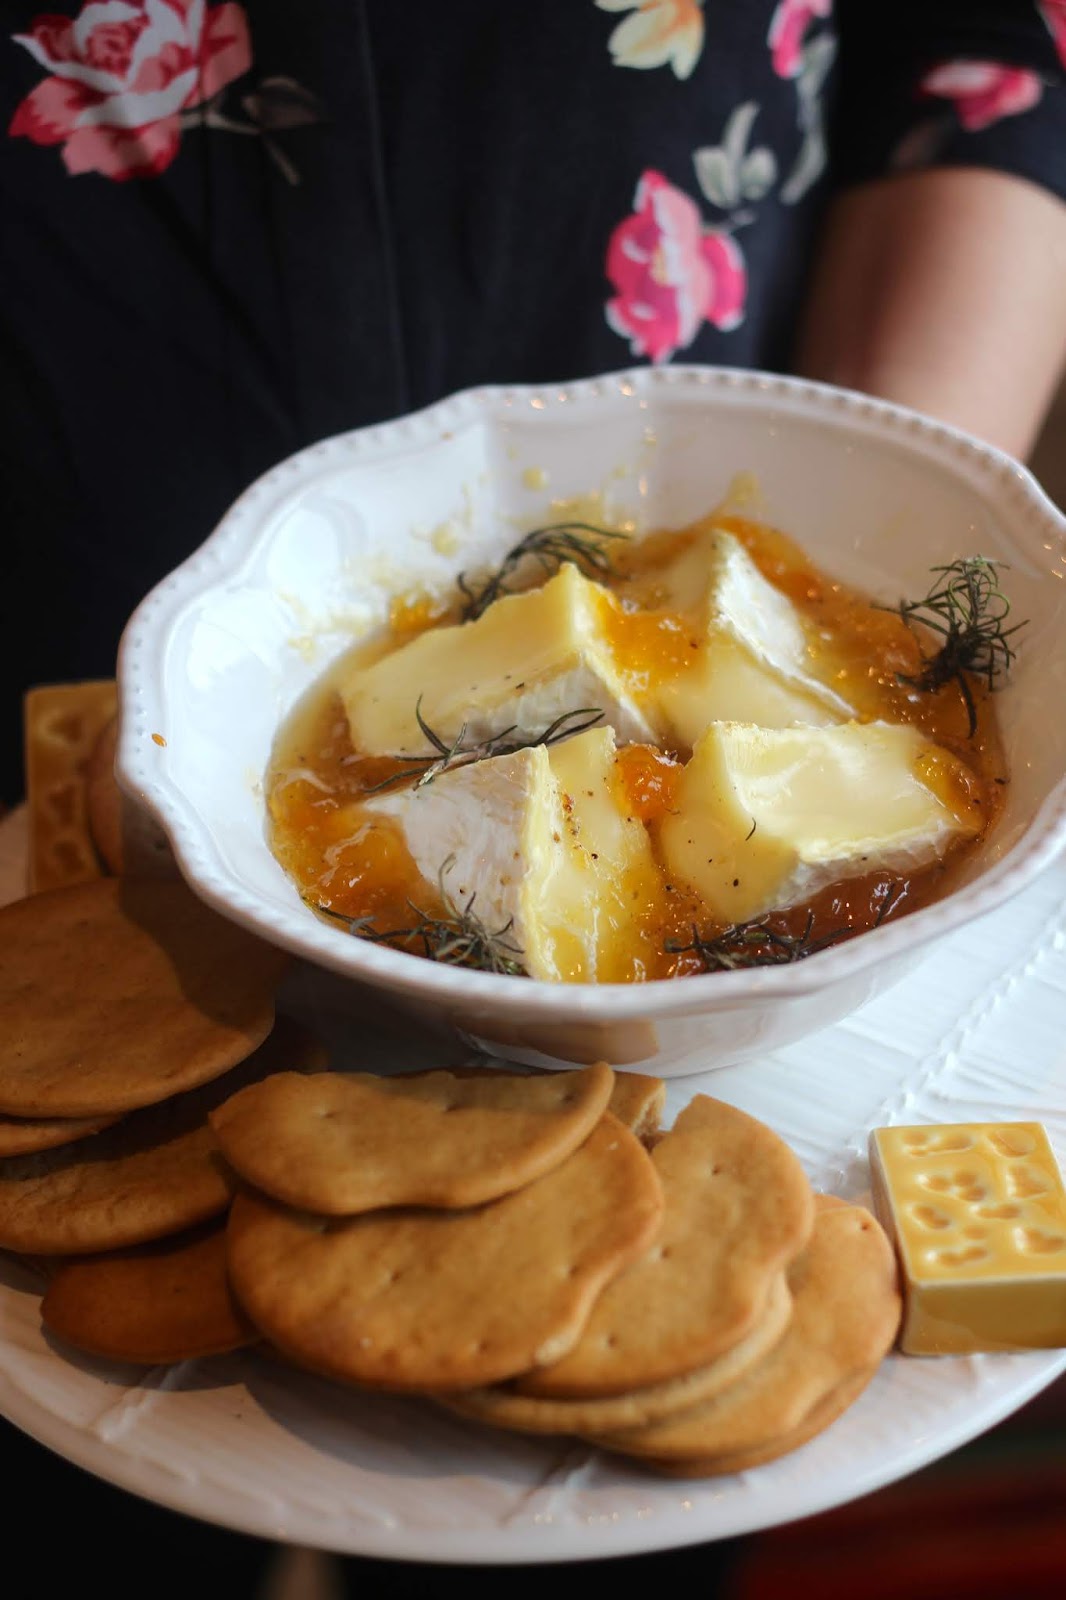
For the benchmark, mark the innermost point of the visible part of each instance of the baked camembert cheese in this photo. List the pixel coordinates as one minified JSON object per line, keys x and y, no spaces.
{"x":543,"y":839}
{"x":687,"y":753}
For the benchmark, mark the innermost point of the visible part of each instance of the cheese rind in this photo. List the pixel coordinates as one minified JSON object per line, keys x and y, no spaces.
{"x":766,"y":817}
{"x":977,"y":1213}
{"x":755,"y":663}
{"x":748,"y":608}
{"x":525,"y":661}
{"x":484,"y":830}
{"x":543,"y":839}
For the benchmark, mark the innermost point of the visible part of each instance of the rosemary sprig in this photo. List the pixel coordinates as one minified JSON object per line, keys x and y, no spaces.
{"x":968,"y":609}
{"x":579,"y":544}
{"x":891,"y":898}
{"x":457,"y":938}
{"x":754,"y":944}
{"x":458,"y":753}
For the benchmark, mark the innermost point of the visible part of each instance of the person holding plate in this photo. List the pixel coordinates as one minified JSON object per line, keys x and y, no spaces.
{"x":233,"y":229}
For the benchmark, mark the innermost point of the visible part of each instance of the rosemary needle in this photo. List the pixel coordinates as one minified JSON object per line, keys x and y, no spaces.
{"x":578,"y":544}
{"x":458,"y":753}
{"x":967,"y":608}
{"x":754,"y":944}
{"x":457,"y":938}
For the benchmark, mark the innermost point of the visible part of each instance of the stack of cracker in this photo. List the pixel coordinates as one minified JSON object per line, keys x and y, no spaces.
{"x":528,"y":1250}
{"x":507,"y":1246}
{"x":131,"y":1012}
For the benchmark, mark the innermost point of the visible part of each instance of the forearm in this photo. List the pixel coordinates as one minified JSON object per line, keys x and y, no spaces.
{"x":944,"y":290}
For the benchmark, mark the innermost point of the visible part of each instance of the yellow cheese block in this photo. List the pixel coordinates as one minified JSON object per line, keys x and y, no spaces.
{"x":977,"y":1212}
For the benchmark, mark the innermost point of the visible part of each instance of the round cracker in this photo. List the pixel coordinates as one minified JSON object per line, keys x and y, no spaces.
{"x":156,"y":1172}
{"x":738,"y":1210}
{"x":845,"y":1317}
{"x":158,"y":1303}
{"x":820,"y":1417}
{"x":21,"y":1136}
{"x":117,"y":994}
{"x":342,"y":1143}
{"x":505,"y":1408}
{"x":437,"y":1300}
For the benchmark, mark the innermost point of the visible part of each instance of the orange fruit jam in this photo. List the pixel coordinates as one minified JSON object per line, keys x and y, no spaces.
{"x":354,"y":864}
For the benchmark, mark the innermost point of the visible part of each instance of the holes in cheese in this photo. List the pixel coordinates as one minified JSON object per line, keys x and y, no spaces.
{"x":766,"y":817}
{"x":993,"y":1275}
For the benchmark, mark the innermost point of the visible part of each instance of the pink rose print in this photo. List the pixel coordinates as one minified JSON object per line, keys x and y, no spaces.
{"x":1054,"y":14}
{"x":983,"y":91}
{"x":788,"y":25}
{"x":669,"y":274}
{"x":121,"y":74}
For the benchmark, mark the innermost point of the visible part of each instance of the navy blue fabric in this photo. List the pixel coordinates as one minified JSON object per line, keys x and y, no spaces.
{"x":886,"y":51}
{"x":165,"y":339}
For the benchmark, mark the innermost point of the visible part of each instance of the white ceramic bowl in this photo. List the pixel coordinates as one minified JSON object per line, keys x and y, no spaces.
{"x":311,"y":554}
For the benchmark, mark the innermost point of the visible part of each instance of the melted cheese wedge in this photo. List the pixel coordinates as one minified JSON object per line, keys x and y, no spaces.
{"x":765,"y":818}
{"x":754,"y":664}
{"x":542,"y":839}
{"x":527,"y":660}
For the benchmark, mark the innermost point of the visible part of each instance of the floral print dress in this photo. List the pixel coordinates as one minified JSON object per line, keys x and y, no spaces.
{"x":232,"y":228}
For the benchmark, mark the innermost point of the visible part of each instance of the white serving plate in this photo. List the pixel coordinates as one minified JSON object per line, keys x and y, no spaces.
{"x":245,"y":1442}
{"x":313,"y":552}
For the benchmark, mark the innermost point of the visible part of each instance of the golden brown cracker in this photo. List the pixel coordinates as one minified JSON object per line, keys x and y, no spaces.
{"x":116,"y":994}
{"x":156,"y":1172}
{"x":845,"y":1316}
{"x":638,"y":1101}
{"x":155,"y":1303}
{"x":61,"y":723}
{"x":820,"y":1417}
{"x":417,"y":1300}
{"x":341,"y":1143}
{"x":21,"y":1136}
{"x":505,"y":1407}
{"x":738,"y":1210}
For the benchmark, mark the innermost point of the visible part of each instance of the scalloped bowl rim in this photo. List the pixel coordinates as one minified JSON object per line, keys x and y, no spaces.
{"x":233,"y":543}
